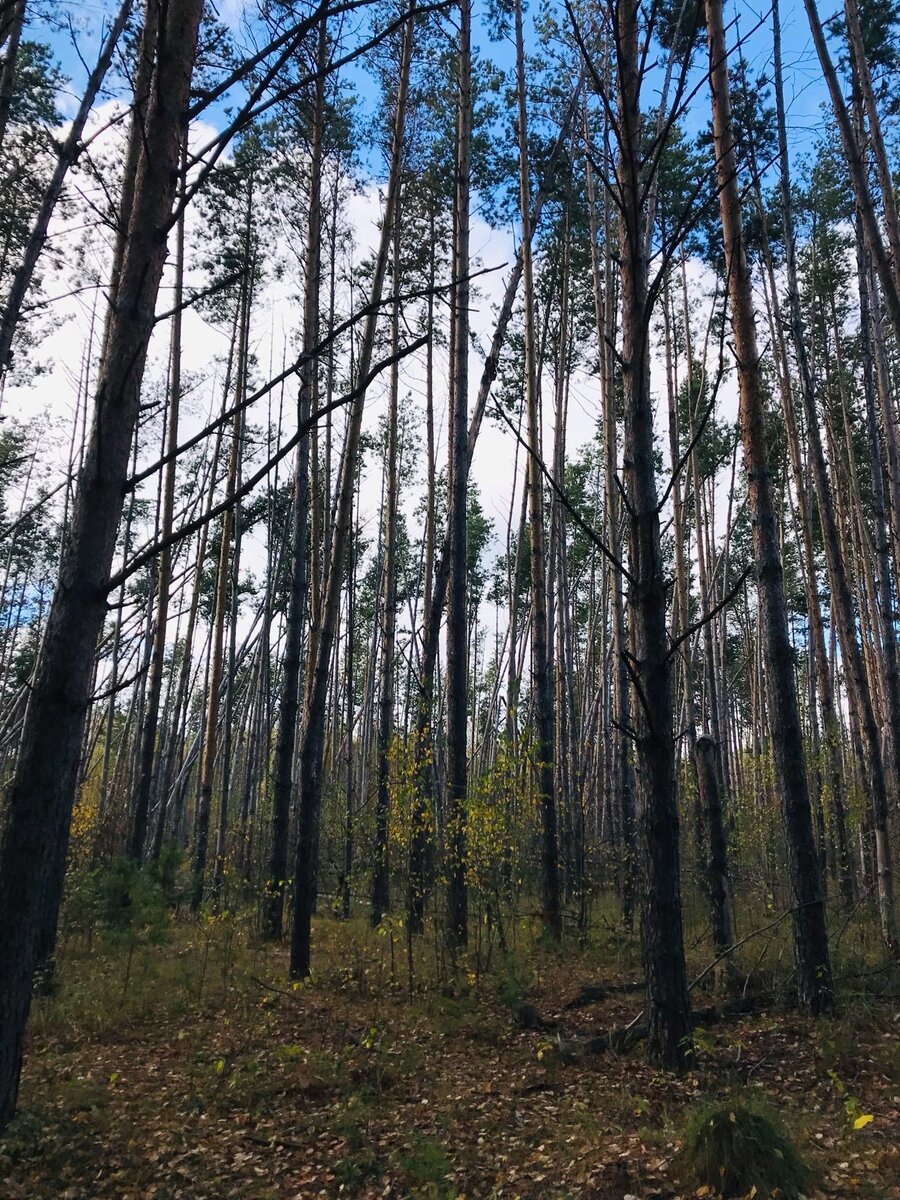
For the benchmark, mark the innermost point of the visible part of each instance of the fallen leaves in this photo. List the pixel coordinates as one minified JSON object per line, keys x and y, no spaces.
{"x":343,"y":1091}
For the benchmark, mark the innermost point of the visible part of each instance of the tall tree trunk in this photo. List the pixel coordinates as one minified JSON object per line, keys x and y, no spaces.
{"x":220,"y":611}
{"x":540,"y":658}
{"x":388,"y":615}
{"x":41,"y":793}
{"x":147,"y":752}
{"x":457,"y":657}
{"x":182,"y":687}
{"x":619,"y":781}
{"x":433,"y":612}
{"x":349,"y":794}
{"x":832,"y":730}
{"x":814,"y":982}
{"x":285,"y":745}
{"x":842,"y":601}
{"x":423,"y":775}
{"x":312,"y":743}
{"x":668,"y":1006}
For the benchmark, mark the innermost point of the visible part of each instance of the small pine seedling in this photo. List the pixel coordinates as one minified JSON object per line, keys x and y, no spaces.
{"x":734,"y":1147}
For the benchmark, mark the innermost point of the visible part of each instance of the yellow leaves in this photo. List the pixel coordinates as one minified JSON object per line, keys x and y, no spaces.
{"x":863,"y":1120}
{"x":85,"y":816}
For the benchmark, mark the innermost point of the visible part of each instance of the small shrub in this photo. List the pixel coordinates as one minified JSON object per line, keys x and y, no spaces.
{"x":427,"y":1166}
{"x":129,"y":903}
{"x":735,"y":1146}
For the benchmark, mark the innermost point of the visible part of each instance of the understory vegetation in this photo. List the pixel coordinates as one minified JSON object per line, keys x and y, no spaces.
{"x":173,"y":1057}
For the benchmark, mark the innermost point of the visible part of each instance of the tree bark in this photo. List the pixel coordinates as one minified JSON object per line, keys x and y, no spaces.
{"x":285,"y":746}
{"x":41,"y":793}
{"x":540,"y":663}
{"x":457,"y":622}
{"x":312,"y":744}
{"x":814,"y":982}
{"x":668,"y":1006}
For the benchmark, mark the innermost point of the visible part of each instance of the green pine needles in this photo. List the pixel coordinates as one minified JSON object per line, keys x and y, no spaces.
{"x":739,"y":1148}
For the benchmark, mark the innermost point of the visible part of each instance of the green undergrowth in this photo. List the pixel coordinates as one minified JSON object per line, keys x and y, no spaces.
{"x":739,"y":1147}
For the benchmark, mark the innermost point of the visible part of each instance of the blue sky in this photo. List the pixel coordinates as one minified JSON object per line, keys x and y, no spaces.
{"x":805,"y":90}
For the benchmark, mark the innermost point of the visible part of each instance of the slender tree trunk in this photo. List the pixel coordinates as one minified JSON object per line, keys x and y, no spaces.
{"x":285,"y":745}
{"x":349,"y":796}
{"x":182,"y":688}
{"x":668,"y":1006}
{"x":220,"y":611}
{"x":388,"y":615}
{"x":814,"y":981}
{"x":423,"y":756}
{"x":832,"y":729}
{"x":147,"y":753}
{"x":457,"y":658}
{"x":421,"y":816}
{"x":540,"y":658}
{"x":312,"y":743}
{"x":707,"y":761}
{"x":619,"y":777}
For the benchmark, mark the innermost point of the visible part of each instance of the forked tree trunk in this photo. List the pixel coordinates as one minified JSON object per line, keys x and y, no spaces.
{"x":42,"y":791}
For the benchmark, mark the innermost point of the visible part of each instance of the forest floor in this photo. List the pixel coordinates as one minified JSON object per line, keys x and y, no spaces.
{"x":191,"y":1070}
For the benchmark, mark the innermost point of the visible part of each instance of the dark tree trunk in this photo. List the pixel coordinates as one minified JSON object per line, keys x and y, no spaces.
{"x":540,"y":654}
{"x":42,"y":791}
{"x":457,"y":616}
{"x":668,"y":1006}
{"x":312,"y":743}
{"x":814,"y":982}
{"x":719,"y":891}
{"x":273,"y":902}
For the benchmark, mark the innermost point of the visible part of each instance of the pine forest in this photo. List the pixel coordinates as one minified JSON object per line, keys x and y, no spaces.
{"x":449,"y":599}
